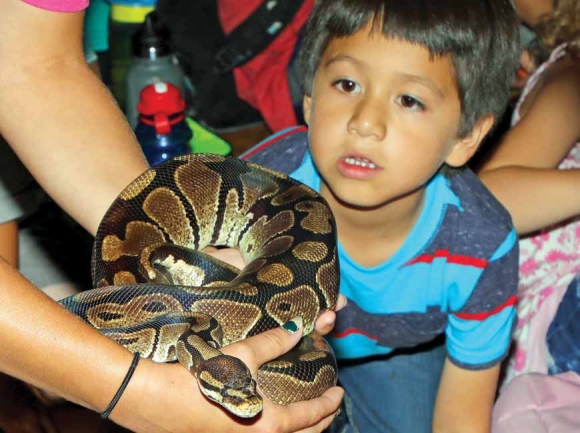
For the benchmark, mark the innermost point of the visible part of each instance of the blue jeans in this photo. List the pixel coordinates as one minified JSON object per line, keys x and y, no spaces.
{"x":395,"y":393}
{"x":562,"y":336}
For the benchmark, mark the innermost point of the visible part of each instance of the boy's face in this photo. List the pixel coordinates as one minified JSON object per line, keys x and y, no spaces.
{"x":383,"y":117}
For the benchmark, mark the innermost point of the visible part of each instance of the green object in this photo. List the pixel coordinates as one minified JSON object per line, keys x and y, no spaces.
{"x":291,"y":326}
{"x":204,"y":141}
{"x":130,"y":13}
{"x":96,"y":25}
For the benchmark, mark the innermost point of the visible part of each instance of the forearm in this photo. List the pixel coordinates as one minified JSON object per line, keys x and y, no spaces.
{"x":45,"y":345}
{"x":465,"y":400}
{"x":535,"y":198}
{"x":450,"y":418}
{"x":59,"y":117}
{"x":474,"y":428}
{"x":85,"y":157}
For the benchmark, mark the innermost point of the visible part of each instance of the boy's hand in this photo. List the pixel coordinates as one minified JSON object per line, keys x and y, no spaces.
{"x":325,"y":321}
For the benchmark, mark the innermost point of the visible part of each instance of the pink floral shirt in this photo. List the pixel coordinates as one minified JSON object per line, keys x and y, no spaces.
{"x":549,"y":260}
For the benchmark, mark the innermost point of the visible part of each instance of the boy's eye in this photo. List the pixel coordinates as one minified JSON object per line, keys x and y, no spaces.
{"x":347,"y":86}
{"x":411,"y":103}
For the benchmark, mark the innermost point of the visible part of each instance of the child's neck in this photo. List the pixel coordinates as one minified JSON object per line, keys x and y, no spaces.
{"x":371,"y":236}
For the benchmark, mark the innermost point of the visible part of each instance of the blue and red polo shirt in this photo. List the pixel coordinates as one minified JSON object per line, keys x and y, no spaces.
{"x":455,"y":274}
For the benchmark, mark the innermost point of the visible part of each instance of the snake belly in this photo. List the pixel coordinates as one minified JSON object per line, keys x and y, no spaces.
{"x":155,"y":293}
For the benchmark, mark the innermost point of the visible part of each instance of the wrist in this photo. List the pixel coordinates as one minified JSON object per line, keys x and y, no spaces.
{"x":132,"y":409}
{"x":107,"y":412}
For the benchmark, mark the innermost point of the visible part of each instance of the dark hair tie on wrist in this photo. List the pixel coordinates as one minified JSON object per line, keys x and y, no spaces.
{"x":105,"y":414}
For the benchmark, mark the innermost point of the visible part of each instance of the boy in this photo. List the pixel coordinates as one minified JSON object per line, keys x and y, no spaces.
{"x":398,"y":97}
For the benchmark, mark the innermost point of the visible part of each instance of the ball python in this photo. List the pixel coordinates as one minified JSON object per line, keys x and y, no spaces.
{"x":156,"y":293}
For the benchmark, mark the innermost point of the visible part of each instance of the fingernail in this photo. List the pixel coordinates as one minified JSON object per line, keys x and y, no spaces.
{"x":337,"y":413}
{"x":292,"y":326}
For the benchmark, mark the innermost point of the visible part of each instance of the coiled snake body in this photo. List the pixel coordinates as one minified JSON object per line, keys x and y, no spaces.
{"x":156,"y":294}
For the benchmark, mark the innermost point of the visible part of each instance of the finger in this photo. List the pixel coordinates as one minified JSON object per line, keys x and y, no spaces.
{"x":341,"y":302}
{"x":264,"y":347}
{"x":321,"y":426}
{"x":325,"y":322}
{"x":314,"y":415}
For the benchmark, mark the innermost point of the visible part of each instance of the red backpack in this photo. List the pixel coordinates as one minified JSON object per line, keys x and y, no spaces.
{"x":239,"y":57}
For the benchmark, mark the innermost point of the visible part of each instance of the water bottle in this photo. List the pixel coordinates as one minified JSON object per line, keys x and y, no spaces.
{"x":126,"y":18}
{"x":153,"y":61}
{"x":162,"y":129}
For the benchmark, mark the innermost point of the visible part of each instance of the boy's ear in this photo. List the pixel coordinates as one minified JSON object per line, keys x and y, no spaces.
{"x":306,"y":105}
{"x":465,"y":147}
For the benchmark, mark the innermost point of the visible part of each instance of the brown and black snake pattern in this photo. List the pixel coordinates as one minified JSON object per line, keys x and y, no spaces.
{"x":156,"y":294}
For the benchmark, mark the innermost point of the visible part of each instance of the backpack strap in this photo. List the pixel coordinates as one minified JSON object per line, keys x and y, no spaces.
{"x":255,"y":33}
{"x":249,"y":38}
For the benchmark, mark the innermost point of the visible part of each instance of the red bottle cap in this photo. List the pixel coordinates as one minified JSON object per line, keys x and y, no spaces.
{"x":161,"y":100}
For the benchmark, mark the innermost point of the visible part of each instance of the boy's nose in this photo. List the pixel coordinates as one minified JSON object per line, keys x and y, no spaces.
{"x":369,"y":119}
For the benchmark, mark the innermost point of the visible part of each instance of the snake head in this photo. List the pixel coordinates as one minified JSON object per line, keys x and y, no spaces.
{"x":228,"y":381}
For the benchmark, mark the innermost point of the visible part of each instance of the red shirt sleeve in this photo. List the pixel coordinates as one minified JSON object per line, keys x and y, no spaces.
{"x":59,"y":5}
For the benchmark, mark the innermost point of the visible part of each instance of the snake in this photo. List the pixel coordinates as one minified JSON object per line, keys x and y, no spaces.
{"x":157,"y":293}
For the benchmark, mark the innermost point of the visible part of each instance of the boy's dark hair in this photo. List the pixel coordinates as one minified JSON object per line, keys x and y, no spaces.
{"x":481,"y":36}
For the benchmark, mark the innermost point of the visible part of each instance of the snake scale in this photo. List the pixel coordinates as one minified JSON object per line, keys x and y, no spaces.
{"x":155,"y":293}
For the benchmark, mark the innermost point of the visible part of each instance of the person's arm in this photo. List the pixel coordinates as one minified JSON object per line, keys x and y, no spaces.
{"x":465,"y":400}
{"x":66,"y":127}
{"x":522,"y":172}
{"x":9,"y":242}
{"x":58,"y":116}
{"x":50,"y":348}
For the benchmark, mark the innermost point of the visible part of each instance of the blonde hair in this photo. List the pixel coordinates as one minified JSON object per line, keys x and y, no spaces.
{"x":562,"y":25}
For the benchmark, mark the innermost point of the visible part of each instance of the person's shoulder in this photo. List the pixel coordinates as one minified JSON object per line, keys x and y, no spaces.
{"x":564,"y":69}
{"x":555,"y":83}
{"x":479,"y":225}
{"x":478,"y":202}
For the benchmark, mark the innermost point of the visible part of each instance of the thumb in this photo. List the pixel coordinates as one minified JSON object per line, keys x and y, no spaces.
{"x":255,"y":351}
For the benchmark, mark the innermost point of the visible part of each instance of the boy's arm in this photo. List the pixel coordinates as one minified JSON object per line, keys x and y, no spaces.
{"x":465,"y":400}
{"x":478,"y":338}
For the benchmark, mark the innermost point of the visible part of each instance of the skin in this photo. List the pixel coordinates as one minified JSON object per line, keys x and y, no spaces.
{"x":15,"y":413}
{"x":9,"y":242}
{"x":403,"y":119}
{"x":385,"y":102}
{"x":522,"y":171}
{"x":531,"y":10}
{"x":67,"y":143}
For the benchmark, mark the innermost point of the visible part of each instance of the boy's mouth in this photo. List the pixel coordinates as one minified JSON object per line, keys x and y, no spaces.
{"x":357,"y":167}
{"x":362,"y":162}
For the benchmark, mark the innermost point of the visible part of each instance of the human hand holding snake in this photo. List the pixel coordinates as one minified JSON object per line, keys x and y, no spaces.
{"x":157,"y":295}
{"x":179,"y":406}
